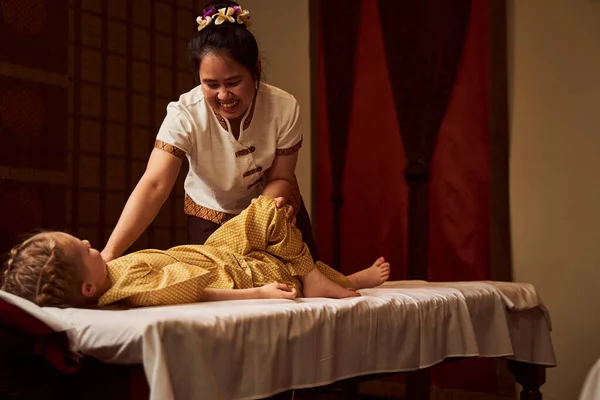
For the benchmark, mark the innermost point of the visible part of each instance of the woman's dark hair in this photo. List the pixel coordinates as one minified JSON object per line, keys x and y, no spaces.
{"x":232,"y":38}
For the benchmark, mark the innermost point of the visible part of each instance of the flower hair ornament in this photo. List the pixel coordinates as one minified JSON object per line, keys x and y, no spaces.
{"x":226,"y":14}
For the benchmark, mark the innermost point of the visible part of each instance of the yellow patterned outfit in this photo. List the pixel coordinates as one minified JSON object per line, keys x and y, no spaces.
{"x":253,"y":249}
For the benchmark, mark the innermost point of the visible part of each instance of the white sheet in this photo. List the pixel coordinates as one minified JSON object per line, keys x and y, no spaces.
{"x":255,"y":348}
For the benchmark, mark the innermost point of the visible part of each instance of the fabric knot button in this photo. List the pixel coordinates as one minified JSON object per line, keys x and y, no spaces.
{"x":243,"y":152}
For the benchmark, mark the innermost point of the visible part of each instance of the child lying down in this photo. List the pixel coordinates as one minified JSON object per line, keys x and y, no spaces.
{"x":255,"y":255}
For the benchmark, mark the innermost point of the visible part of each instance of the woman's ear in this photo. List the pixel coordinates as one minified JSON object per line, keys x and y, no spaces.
{"x":88,"y":289}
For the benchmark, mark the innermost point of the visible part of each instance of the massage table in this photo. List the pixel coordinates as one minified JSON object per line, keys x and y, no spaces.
{"x":253,"y":349}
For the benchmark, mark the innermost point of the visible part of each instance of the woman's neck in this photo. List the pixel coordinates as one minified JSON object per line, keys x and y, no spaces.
{"x":235,"y":126}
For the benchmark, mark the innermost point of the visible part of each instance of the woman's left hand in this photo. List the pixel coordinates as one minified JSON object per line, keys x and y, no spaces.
{"x":289,"y":210}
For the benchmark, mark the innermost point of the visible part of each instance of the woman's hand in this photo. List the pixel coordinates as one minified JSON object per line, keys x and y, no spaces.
{"x":289,"y":210}
{"x":107,"y":256}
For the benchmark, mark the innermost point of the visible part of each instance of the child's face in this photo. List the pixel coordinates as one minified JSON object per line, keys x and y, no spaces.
{"x":93,"y":266}
{"x":227,"y":85}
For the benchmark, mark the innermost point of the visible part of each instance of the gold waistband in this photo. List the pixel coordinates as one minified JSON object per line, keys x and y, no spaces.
{"x":195,"y":210}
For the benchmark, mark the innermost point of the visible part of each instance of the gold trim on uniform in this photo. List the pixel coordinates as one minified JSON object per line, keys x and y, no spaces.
{"x":248,"y":119}
{"x":221,"y":120}
{"x":195,"y":210}
{"x":169,"y":148}
{"x":246,"y":122}
{"x":290,"y":150}
{"x":252,"y":171}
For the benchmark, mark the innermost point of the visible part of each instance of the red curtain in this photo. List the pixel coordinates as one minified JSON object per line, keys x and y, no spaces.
{"x":375,"y":195}
{"x":459,"y":206}
{"x":374,"y":216}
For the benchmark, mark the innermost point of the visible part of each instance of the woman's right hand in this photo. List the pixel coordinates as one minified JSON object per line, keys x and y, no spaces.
{"x":289,"y":210}
{"x":107,"y":256}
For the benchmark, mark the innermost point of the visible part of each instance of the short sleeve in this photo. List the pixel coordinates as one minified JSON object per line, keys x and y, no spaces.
{"x":289,"y":140}
{"x":175,"y":135}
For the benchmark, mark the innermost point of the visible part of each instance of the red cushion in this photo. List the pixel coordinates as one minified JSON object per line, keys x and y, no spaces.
{"x":37,"y":337}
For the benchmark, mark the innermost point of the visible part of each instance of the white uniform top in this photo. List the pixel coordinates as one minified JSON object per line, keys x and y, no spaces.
{"x":226,"y":174}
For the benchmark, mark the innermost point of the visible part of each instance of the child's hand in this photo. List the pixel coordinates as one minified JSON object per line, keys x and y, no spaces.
{"x":289,"y":210}
{"x":277,"y":291}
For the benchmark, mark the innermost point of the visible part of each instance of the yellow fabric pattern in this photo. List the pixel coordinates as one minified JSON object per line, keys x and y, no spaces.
{"x":151,"y":277}
{"x":253,"y":249}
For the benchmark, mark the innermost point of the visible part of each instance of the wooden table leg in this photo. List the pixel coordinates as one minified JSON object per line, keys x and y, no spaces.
{"x":530,"y":376}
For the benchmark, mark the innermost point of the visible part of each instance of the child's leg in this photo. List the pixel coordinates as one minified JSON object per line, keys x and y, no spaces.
{"x":372,"y":276}
{"x":318,"y":282}
{"x":263,"y":227}
{"x":315,"y":284}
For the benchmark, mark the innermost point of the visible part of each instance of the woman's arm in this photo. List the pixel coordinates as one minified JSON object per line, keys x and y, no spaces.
{"x":145,"y":201}
{"x":281,"y":180}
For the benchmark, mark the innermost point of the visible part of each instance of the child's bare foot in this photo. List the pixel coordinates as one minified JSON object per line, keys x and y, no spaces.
{"x":373,"y":276}
{"x":276,"y":291}
{"x":315,"y":284}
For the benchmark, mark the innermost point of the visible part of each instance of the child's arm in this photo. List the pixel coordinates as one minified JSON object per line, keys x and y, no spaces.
{"x":271,"y":291}
{"x":153,"y":278}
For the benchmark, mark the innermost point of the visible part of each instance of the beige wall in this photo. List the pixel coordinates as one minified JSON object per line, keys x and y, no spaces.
{"x":554,"y":72}
{"x":282,"y":30}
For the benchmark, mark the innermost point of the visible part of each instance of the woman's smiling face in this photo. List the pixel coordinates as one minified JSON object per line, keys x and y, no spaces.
{"x":228,"y":86}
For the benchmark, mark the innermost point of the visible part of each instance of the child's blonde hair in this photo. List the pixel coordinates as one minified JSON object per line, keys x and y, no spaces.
{"x":40,"y":271}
